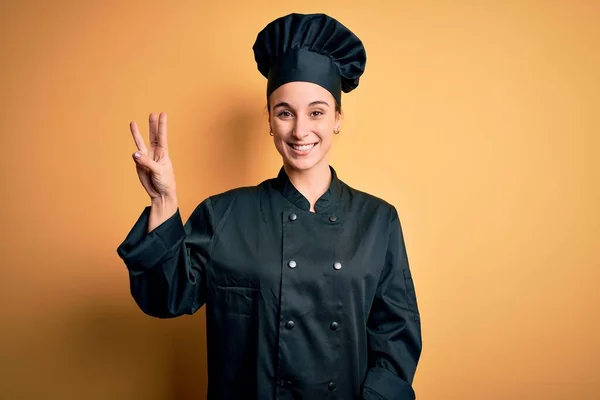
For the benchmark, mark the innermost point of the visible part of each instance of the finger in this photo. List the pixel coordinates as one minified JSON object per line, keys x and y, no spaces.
{"x":145,"y":178}
{"x":162,"y":130}
{"x":145,"y":161}
{"x":137,"y":138}
{"x":153,"y":123}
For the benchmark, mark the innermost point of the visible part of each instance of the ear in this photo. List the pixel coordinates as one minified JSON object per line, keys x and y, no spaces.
{"x":338,"y":120}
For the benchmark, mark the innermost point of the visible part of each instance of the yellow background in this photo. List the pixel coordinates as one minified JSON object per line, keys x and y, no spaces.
{"x":477,"y":119}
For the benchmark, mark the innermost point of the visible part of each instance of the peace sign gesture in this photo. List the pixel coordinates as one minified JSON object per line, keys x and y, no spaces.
{"x":153,"y":164}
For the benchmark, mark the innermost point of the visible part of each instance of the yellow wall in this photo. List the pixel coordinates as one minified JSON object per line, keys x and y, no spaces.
{"x":477,"y":119}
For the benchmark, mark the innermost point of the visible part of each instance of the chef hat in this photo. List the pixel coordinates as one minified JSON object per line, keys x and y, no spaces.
{"x":312,"y":48}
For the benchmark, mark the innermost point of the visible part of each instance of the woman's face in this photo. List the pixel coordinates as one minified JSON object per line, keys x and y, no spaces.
{"x":303,"y":118}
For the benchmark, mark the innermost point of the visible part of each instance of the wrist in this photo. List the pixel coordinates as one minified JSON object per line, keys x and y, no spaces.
{"x":164,"y":199}
{"x":164,"y":205}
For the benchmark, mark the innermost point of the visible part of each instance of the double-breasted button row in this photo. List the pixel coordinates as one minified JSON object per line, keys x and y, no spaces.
{"x":293,"y":217}
{"x":290,"y":325}
{"x":331,"y":386}
{"x":293,"y":264}
{"x":285,"y":384}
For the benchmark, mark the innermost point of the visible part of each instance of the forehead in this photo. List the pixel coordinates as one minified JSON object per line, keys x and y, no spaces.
{"x":300,"y":93}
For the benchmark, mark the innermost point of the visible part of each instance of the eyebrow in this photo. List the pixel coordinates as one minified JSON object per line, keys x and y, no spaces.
{"x":314,"y":103}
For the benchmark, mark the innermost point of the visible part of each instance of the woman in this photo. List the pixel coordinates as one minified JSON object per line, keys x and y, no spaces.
{"x":306,"y":282}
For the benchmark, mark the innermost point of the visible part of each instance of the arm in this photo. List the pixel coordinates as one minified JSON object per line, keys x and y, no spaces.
{"x":393,"y":327}
{"x":166,"y":265}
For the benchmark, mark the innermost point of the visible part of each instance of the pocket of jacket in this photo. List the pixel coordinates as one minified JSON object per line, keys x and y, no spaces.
{"x":237,"y":300}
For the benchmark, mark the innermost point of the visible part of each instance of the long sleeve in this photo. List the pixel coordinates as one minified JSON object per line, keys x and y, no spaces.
{"x":167,"y":266}
{"x":393,"y":327}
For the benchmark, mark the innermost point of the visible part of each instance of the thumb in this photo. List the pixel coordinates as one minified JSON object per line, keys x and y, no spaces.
{"x":144,"y":161}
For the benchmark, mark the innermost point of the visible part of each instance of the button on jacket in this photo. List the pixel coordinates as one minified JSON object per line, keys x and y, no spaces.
{"x":299,"y":305}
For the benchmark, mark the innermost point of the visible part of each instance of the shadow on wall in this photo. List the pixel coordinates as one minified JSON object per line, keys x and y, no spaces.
{"x":229,"y":146}
{"x":229,"y":164}
{"x":226,"y":164}
{"x":114,"y":352}
{"x":82,"y":346}
{"x":100,"y":345}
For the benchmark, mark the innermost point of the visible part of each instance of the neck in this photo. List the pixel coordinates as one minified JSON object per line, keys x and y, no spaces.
{"x":312,"y":183}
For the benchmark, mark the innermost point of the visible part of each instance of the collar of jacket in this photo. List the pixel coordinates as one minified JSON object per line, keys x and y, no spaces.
{"x":326,"y":202}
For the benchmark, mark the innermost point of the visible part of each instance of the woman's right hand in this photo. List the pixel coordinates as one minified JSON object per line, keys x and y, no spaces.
{"x":155,"y":170}
{"x":154,"y":167}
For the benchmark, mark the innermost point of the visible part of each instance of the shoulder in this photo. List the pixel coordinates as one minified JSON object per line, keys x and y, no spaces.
{"x":243,"y":192}
{"x":231,"y":195}
{"x":220,"y":204}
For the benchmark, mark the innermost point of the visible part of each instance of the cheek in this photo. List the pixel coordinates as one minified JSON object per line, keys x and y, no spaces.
{"x":279,"y":141}
{"x":325,"y":130}
{"x":281,"y":128}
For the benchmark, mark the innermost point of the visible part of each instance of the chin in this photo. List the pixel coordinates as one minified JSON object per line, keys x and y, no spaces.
{"x":303,"y":164}
{"x":300,"y":165}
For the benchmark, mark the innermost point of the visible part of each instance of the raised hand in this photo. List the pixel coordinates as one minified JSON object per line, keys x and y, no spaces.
{"x":153,"y":164}
{"x":155,"y":170}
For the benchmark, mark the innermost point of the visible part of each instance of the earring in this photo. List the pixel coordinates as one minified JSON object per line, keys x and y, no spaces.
{"x":336,"y":131}
{"x":270,"y":131}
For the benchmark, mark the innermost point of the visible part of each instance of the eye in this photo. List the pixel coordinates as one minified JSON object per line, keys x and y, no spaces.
{"x":284,"y":114}
{"x":316,"y":113}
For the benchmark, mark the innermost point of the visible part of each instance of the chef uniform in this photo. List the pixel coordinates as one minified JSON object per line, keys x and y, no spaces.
{"x":299,"y":304}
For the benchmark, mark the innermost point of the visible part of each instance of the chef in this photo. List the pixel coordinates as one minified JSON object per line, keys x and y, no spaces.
{"x":305,"y":280}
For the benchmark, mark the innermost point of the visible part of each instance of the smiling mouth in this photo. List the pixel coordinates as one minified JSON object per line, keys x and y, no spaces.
{"x":302,"y":147}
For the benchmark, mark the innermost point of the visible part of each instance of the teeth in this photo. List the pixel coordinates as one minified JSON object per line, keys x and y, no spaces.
{"x":304,"y":147}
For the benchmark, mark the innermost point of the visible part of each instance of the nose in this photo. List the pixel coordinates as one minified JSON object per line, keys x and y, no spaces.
{"x":301,"y":128}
